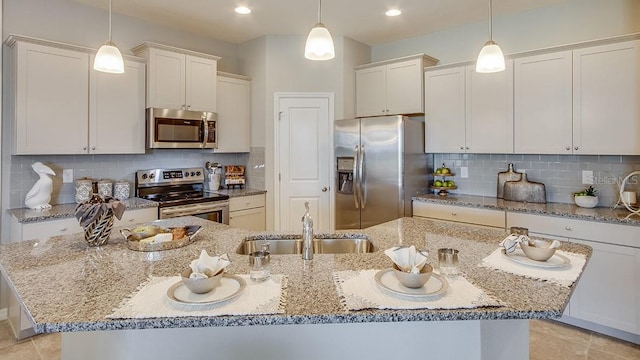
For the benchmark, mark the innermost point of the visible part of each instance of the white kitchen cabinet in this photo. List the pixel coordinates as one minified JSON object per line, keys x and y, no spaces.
{"x":606,"y":94}
{"x":467,"y":111}
{"x":116,"y":110}
{"x":234,"y":113}
{"x":543,"y":120}
{"x":49,"y":92}
{"x":607,"y":296}
{"x":469,"y":215}
{"x":60,"y":105}
{"x":248,"y":212}
{"x":178,"y":78}
{"x":391,"y":87}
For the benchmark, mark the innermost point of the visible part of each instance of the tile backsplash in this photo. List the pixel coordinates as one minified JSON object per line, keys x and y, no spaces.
{"x":113,"y":167}
{"x":561,"y":174}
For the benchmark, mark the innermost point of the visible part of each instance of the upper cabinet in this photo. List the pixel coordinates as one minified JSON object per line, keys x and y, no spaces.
{"x":391,"y":87}
{"x":467,"y":111}
{"x":542,"y":92}
{"x":606,"y":99}
{"x":178,"y":78}
{"x":59,"y":105}
{"x":234,"y":113}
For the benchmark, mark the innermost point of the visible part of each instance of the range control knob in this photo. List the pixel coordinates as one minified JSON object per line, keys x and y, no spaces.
{"x":152,"y":175}
{"x":186,"y":174}
{"x":198,"y":173}
{"x":193,"y":173}
{"x":144,"y":176}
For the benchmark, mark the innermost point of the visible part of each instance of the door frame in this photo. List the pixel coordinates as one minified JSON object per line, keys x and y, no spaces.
{"x":276,"y":158}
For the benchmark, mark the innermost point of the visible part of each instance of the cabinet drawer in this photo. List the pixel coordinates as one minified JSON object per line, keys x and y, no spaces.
{"x":45,"y":229}
{"x":246,"y":202}
{"x":486,"y":217}
{"x":625,"y":235}
{"x":251,"y":219}
{"x":137,"y":216}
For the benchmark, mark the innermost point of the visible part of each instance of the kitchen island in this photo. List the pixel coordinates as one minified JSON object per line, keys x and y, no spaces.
{"x":71,"y":288}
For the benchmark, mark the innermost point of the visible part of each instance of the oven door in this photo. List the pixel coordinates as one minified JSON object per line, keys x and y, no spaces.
{"x":217,"y":211}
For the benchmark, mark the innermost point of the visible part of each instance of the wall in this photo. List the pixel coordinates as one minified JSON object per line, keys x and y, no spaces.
{"x":569,"y":22}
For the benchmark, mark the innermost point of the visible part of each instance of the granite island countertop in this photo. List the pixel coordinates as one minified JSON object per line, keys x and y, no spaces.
{"x":67,"y":286}
{"x":602,"y":214}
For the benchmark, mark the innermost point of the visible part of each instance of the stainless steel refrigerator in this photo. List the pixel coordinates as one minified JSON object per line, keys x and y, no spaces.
{"x":380,"y":164}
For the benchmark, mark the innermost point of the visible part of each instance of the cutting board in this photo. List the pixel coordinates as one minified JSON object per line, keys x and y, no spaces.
{"x":525,"y":191}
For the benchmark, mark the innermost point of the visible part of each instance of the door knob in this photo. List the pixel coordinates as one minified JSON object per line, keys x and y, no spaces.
{"x":324,"y":189}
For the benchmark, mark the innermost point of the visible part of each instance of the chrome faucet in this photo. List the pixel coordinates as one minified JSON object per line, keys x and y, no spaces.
{"x":307,"y":234}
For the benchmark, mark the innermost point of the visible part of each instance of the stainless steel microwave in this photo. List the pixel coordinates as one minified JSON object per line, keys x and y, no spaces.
{"x":181,"y":129}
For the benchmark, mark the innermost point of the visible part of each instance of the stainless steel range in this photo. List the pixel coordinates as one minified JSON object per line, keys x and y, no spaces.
{"x":180,"y":192}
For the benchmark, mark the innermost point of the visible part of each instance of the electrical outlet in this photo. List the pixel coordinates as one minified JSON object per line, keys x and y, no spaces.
{"x":587,"y":177}
{"x":67,"y":175}
{"x":464,"y":172}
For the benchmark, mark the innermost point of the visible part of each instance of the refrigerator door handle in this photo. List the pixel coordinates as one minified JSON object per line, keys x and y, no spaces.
{"x":355,"y":177}
{"x":362,"y":188}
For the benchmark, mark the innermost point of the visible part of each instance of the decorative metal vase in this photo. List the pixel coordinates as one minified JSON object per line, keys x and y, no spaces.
{"x":97,"y":233}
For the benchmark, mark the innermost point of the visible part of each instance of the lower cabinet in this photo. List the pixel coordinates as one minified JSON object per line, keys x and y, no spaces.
{"x":469,"y":215}
{"x":248,"y":212}
{"x":607,"y":296}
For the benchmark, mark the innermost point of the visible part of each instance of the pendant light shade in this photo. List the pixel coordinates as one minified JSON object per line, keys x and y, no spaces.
{"x":491,"y":58}
{"x":319,"y":42}
{"x":109,"y":59}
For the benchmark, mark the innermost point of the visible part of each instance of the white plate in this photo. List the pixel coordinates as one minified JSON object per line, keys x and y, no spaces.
{"x":557,"y":261}
{"x":388,"y":283}
{"x":229,"y":288}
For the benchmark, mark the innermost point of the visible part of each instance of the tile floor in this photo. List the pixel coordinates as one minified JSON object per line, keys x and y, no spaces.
{"x":549,"y":340}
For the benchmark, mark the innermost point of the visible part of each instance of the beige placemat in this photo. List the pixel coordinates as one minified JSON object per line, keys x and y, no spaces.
{"x":358,"y":290}
{"x":150,"y":300}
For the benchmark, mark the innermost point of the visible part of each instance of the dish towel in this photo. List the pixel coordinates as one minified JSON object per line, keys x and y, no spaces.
{"x":565,"y":276}
{"x":358,"y":290}
{"x":150,"y":300}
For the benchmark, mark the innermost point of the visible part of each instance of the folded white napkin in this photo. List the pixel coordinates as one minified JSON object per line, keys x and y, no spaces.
{"x":565,"y":276}
{"x":206,"y":265}
{"x":408,"y":258}
{"x":358,"y":290}
{"x":150,"y":300}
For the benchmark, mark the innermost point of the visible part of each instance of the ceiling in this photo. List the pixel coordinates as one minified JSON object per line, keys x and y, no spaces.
{"x":361,"y":20}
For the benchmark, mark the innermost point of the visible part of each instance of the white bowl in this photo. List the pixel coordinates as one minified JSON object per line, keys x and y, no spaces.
{"x":413,"y":280}
{"x":586,"y":201}
{"x":203,"y":285}
{"x":538,"y":253}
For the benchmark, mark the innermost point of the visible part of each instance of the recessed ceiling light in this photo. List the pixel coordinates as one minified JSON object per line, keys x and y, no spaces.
{"x":393,"y":12}
{"x":243,"y":10}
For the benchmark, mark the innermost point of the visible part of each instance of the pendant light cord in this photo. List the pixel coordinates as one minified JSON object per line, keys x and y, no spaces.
{"x":109,"y":20}
{"x":319,"y":11}
{"x":490,"y":20}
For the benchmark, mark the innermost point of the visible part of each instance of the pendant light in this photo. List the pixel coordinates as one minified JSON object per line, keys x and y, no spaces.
{"x":109,"y":59}
{"x":491,"y":58}
{"x":319,"y":42}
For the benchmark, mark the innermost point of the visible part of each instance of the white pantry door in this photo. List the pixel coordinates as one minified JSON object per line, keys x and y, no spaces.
{"x":304,"y":133}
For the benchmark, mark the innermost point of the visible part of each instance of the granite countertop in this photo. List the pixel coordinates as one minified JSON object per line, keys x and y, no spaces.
{"x":25,"y":215}
{"x":67,"y":286}
{"x":239,"y":192}
{"x":602,"y":214}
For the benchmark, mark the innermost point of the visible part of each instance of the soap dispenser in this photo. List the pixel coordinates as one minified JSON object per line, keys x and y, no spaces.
{"x":307,"y":234}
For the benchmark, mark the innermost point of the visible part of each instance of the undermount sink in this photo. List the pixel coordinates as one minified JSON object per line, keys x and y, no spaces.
{"x":322,"y":244}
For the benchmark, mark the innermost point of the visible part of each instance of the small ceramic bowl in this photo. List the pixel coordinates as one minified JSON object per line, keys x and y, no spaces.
{"x":201,"y":286}
{"x":538,"y":253}
{"x":586,"y":201}
{"x":413,"y":281}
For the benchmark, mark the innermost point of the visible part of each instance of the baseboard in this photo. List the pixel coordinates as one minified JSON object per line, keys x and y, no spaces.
{"x":619,"y":334}
{"x":4,"y":314}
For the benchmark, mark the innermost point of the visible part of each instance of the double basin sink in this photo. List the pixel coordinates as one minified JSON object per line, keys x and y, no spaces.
{"x":322,"y":244}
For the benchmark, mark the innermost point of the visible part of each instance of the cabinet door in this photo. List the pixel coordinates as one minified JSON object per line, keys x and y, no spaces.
{"x":542,"y":93}
{"x":234,"y":118}
{"x":251,"y":219}
{"x":52,"y":100}
{"x":46,"y":229}
{"x":116,"y":117}
{"x":370,"y":91}
{"x":444,"y":110}
{"x":606,"y":99}
{"x":608,"y":293}
{"x":201,"y":84}
{"x":489,"y":111}
{"x":404,"y":88}
{"x":166,"y":79}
